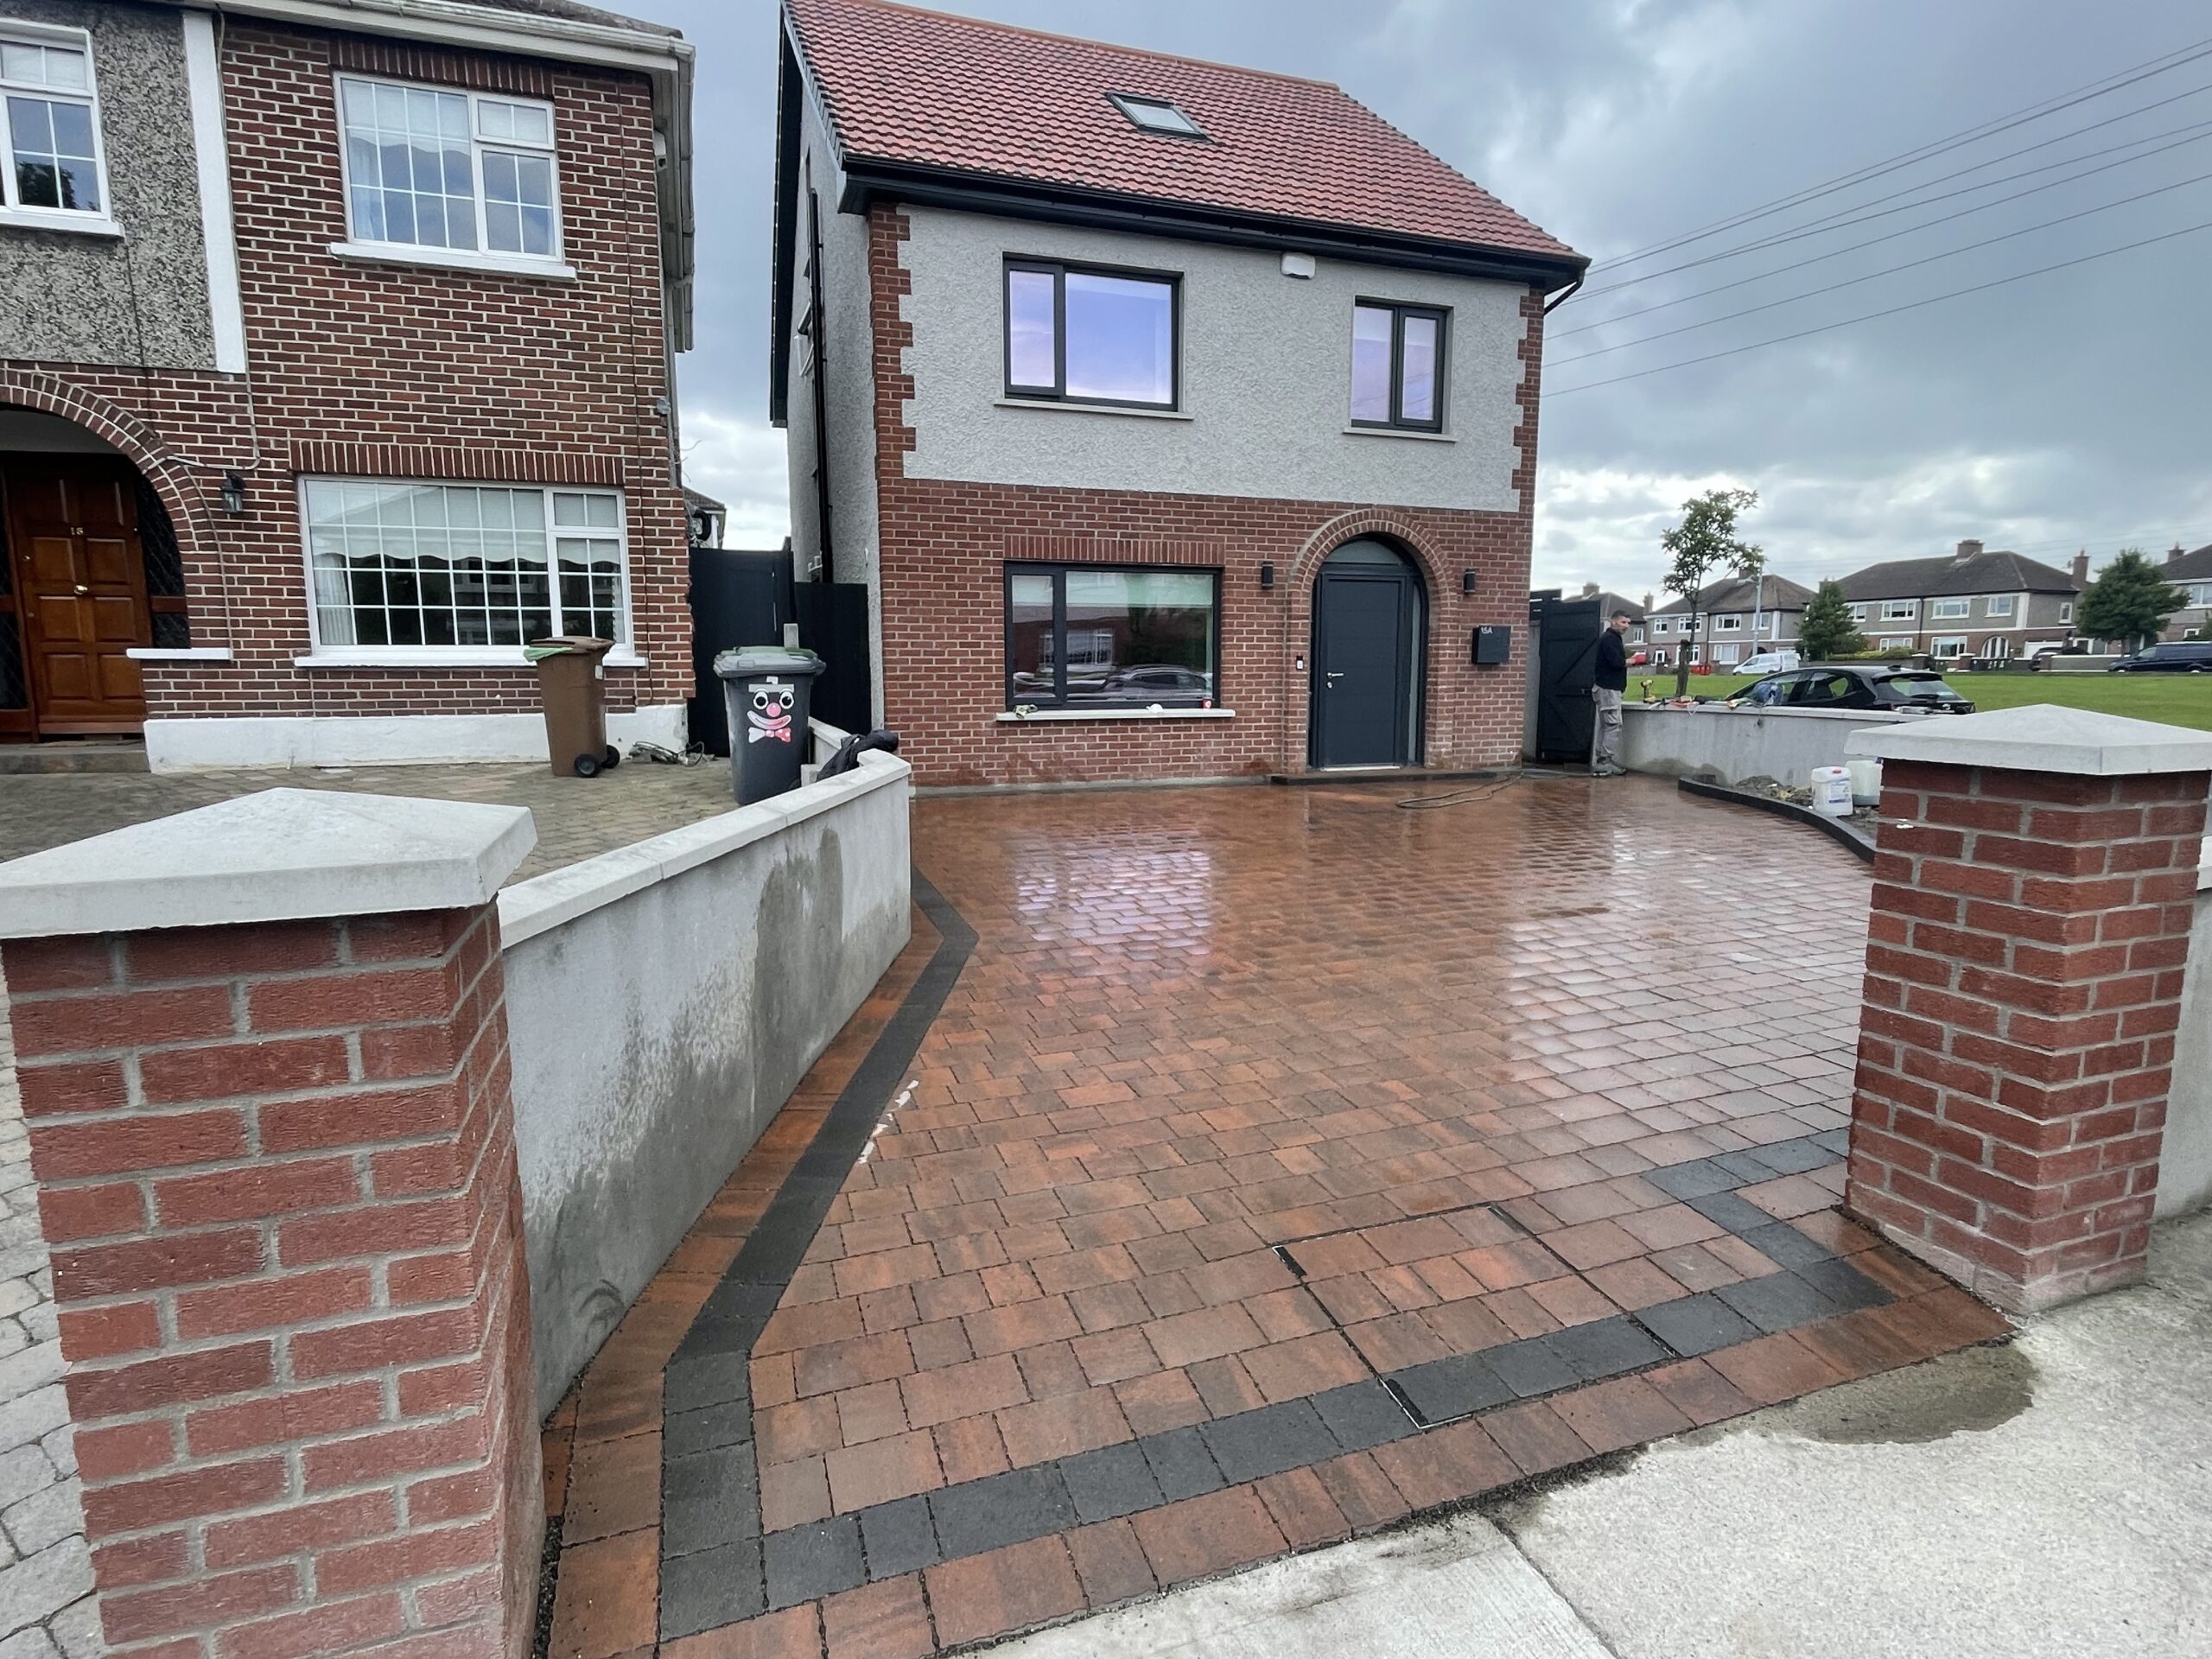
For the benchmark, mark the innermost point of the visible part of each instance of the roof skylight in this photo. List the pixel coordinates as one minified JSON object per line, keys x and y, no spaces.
{"x":1156,"y":115}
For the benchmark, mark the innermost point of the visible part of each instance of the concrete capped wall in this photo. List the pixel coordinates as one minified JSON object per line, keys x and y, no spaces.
{"x":2185,"y":1162}
{"x":1739,"y":743}
{"x":1266,"y":376}
{"x":67,"y":297}
{"x":663,"y":1003}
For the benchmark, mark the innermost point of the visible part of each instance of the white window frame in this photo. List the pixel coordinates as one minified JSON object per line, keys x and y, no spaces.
{"x":2066,"y":611}
{"x":1728,"y":655}
{"x":99,"y":221}
{"x":625,"y":654}
{"x":1635,"y":634}
{"x":1727,"y":625}
{"x":1999,"y":605}
{"x":1946,"y":646}
{"x":2199,"y":593}
{"x":481,"y":257}
{"x":1858,"y":612}
{"x":1900,"y":610}
{"x":1895,"y":642}
{"x":1950,"y":610}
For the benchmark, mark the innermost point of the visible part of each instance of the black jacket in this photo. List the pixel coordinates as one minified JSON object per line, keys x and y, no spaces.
{"x":1613,"y":662}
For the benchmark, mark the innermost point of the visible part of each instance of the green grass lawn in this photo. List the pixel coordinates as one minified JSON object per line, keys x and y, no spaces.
{"x":2177,"y":699}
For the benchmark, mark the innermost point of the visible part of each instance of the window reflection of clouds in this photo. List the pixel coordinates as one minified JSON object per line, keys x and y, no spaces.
{"x":1370,"y":364}
{"x":1029,"y":328}
{"x":1121,"y":339}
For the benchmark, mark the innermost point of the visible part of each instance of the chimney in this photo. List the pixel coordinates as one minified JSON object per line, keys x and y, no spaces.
{"x":2081,"y":567}
{"x":1647,"y":601}
{"x":1589,"y":590}
{"x":2173,"y":553}
{"x":1969,"y":550}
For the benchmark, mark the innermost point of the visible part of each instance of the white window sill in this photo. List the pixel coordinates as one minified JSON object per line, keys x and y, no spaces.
{"x":417,"y":657}
{"x":1398,"y":432}
{"x":490,"y":265}
{"x":1036,"y":714}
{"x":42,"y":218}
{"x":1064,"y":407}
{"x":179,"y":653}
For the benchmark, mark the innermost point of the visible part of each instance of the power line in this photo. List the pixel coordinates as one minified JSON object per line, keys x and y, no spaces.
{"x":1891,"y":311}
{"x":1839,"y":221}
{"x":1887,"y":270}
{"x":2118,"y":80}
{"x":2199,"y":130}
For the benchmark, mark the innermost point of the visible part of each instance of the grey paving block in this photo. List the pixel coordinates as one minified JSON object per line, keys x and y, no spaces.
{"x":1697,"y":1325}
{"x":1181,"y":1464}
{"x":708,"y":1499}
{"x":1785,"y":1246}
{"x":1605,"y":1348}
{"x":1529,"y":1367}
{"x":1777,"y":1302}
{"x":1836,"y":1140}
{"x":686,"y":1432}
{"x":1843,"y":1284}
{"x":1797,"y":1157}
{"x":1748,"y":1165}
{"x":1737,"y":1215}
{"x":1443,"y":1390}
{"x":1694,"y":1179}
{"x":1254,"y":1444}
{"x":712,"y":1588}
{"x":702,"y":1380}
{"x":899,"y":1537}
{"x":817,"y":1559}
{"x":1009,"y":1508}
{"x":1112,"y":1481}
{"x":1362,"y":1414}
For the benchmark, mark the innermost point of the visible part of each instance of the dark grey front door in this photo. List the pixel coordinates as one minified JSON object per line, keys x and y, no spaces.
{"x":1364,"y":651}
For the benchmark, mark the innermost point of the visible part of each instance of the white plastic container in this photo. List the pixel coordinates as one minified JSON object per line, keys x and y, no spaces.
{"x":1832,"y":791}
{"x":1866,"y":782}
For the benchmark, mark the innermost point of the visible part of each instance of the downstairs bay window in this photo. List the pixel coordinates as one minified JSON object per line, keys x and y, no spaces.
{"x":462,"y":574}
{"x":1103,"y":638}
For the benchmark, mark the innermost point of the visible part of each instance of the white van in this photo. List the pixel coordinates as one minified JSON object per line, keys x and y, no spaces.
{"x":1767,"y":661}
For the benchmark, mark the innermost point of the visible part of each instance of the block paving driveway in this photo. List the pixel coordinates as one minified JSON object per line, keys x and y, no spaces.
{"x":1225,"y":1171}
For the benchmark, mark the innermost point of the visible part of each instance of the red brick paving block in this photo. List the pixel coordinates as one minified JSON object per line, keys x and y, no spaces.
{"x":1774,"y":1369}
{"x":874,"y":1413}
{"x":795,"y":1633}
{"x":1699,"y":1392}
{"x":1444,"y":1465}
{"x":614,"y":1488}
{"x":1205,"y":1333}
{"x":1110,"y":1563}
{"x":1592,"y":1244}
{"x":881,"y":1471}
{"x":852,"y":1364}
{"x":606,"y":1599}
{"x":1284,"y":1370}
{"x":1061,"y":1425}
{"x":962,"y":1390}
{"x":791,"y":1494}
{"x":1625,"y":1412}
{"x":801,"y":1429}
{"x":1395,"y":1343}
{"x":1008,"y":1589}
{"x":1634,"y":1283}
{"x":1572,"y":1301}
{"x":1200,"y":1537}
{"x":1163,"y":1401}
{"x":1858,"y":1346}
{"x":1285,"y":1315}
{"x":1051,"y":1368}
{"x":1896,"y":1272}
{"x":1536,"y":1437}
{"x":1110,"y":1356}
{"x":1363,"y":1493}
{"x":1225,"y":1386}
{"x":1022,"y":1324}
{"x":886,"y":1620}
{"x":969,"y":1448}
{"x":1302,"y":1509}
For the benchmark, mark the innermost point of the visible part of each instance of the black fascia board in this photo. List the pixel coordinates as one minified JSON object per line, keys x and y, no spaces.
{"x":867,"y":180}
{"x":791,"y":102}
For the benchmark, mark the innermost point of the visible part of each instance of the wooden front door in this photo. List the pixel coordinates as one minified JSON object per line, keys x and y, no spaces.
{"x":80,"y":573}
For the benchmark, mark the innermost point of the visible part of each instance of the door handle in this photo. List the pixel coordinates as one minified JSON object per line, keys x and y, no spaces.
{"x":1336,"y":674}
{"x":82,"y":589}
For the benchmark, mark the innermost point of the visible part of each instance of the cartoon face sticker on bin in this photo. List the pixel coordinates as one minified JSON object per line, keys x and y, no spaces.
{"x":769,"y":719}
{"x":767,"y":688}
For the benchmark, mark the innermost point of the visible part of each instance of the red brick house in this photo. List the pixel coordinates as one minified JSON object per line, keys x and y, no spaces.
{"x":1180,"y":419}
{"x":336,"y":361}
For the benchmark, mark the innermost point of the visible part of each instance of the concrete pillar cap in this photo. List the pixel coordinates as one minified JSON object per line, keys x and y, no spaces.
{"x":283,"y":855}
{"x":2041,"y":737}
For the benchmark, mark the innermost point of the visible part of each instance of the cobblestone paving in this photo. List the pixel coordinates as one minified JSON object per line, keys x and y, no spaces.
{"x":1281,"y":1163}
{"x":577,"y":817}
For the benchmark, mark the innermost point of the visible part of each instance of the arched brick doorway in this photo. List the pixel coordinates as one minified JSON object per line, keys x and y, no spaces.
{"x":1368,"y":652}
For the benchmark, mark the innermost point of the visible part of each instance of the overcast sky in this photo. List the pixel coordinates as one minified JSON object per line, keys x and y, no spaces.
{"x":2062,"y":411}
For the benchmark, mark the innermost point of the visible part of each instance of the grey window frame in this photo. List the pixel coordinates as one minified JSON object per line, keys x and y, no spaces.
{"x":1400,"y":310}
{"x":1059,"y":270}
{"x":1121,"y":101}
{"x":1057,"y":569}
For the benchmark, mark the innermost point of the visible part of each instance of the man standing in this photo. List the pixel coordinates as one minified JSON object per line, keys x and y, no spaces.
{"x":1607,"y":689}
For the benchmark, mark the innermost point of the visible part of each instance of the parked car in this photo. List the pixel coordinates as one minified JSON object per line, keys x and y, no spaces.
{"x":1768,"y":662}
{"x":1856,"y":685}
{"x":2176,"y":657}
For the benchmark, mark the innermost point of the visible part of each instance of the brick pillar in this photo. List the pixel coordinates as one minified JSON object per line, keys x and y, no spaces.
{"x":2035,"y":885}
{"x":262,"y":1053}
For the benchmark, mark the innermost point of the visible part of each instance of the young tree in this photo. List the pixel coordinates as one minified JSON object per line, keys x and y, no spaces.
{"x":2129,"y":600}
{"x":1826,"y":631}
{"x":1702,"y":546}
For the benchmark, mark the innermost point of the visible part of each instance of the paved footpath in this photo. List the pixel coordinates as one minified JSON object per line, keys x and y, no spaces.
{"x":46,"y":1573}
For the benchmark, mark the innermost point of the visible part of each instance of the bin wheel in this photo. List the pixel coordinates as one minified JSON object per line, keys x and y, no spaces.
{"x":614,"y":757}
{"x":588,"y":766}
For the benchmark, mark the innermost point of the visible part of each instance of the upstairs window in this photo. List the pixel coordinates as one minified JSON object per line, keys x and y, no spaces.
{"x":1085,"y":335}
{"x":1397,"y":365}
{"x":1951,"y":607}
{"x":1156,"y":115}
{"x":1900,"y":610}
{"x":51,"y":138}
{"x":1998,"y":605}
{"x":467,"y":171}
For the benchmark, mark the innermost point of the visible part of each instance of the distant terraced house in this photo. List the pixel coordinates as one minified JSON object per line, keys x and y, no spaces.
{"x":1735,"y":618}
{"x":2192,"y":573}
{"x":1974,"y":603}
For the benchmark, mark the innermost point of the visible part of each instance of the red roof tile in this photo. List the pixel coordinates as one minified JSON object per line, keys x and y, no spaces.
{"x":905,"y":86}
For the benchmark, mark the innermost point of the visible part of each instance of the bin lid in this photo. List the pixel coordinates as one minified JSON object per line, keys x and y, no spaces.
{"x":747,"y":661}
{"x":567,"y":645}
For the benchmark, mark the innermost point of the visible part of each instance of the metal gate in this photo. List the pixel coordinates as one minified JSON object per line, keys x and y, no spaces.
{"x":1567,"y":644}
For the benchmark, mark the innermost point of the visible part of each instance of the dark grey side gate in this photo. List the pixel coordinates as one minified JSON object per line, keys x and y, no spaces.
{"x":1566,"y":640}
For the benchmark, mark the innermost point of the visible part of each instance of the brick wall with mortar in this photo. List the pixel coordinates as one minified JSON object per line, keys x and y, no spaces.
{"x":2024,"y":960}
{"x":277,"y":1172}
{"x":400,"y":372}
{"x":943,"y":546}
